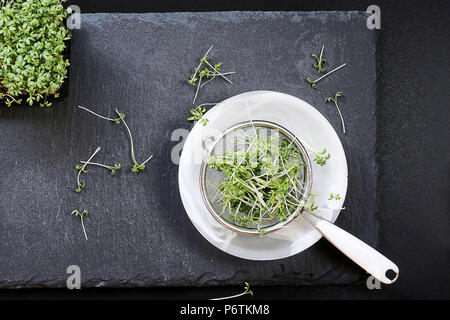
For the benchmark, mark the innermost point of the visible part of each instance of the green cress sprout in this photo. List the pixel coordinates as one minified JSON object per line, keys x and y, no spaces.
{"x":321,"y":157}
{"x":197,"y":115}
{"x":313,"y":82}
{"x":81,"y":215}
{"x":32,"y":35}
{"x":199,"y":112}
{"x":136,"y":166}
{"x":334,"y":196}
{"x":206,"y":70}
{"x":115,"y":120}
{"x":113,"y":169}
{"x":335,"y":100}
{"x":319,"y":61}
{"x":82,"y":169}
{"x":247,"y":290}
{"x":121,"y":118}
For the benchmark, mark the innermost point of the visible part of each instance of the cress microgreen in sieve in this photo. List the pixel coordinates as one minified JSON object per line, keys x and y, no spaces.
{"x":259,"y":181}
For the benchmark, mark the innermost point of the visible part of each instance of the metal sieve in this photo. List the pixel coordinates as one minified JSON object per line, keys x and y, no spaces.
{"x":234,"y":139}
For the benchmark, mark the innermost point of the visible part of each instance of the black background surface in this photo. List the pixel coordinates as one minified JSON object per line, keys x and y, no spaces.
{"x":413,"y":138}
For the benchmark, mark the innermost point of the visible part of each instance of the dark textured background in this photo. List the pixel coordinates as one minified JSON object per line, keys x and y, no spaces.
{"x":413,"y":132}
{"x":139,"y":232}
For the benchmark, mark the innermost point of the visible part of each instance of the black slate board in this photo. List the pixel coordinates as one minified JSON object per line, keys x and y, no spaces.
{"x":139,"y":234}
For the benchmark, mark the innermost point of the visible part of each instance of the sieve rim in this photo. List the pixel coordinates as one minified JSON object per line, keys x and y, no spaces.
{"x":209,"y":149}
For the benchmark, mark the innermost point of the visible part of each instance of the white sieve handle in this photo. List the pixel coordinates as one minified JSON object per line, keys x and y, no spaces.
{"x":362,"y":254}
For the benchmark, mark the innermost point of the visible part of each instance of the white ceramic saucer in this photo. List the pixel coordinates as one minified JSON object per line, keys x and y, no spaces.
{"x":312,"y":129}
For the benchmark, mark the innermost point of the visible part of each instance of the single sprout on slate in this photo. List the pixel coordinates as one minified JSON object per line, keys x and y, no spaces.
{"x":335,"y":100}
{"x":199,"y":112}
{"x":209,"y":72}
{"x":313,"y":82}
{"x":113,"y":169}
{"x":247,"y":291}
{"x":336,"y":196}
{"x":136,"y":166}
{"x":82,"y":169}
{"x":116,"y":120}
{"x":81,"y":215}
{"x":319,"y":61}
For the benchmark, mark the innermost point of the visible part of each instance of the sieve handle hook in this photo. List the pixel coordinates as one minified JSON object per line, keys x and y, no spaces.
{"x":205,"y":140}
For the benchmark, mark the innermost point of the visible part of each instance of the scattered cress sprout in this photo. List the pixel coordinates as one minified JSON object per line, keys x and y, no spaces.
{"x":115,"y":120}
{"x":247,"y":290}
{"x":199,"y":112}
{"x":333,"y":196}
{"x":319,"y":65}
{"x":136,"y":166}
{"x":121,"y":118}
{"x":335,"y":100}
{"x":82,"y":169}
{"x":206,"y":70}
{"x":313,"y":82}
{"x":113,"y":169}
{"x":197,"y":115}
{"x":321,"y":157}
{"x":81,"y":215}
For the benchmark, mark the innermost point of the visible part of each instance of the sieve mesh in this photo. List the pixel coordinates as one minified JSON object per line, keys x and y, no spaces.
{"x":229,"y":147}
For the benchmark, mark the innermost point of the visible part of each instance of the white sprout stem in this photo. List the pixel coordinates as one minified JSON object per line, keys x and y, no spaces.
{"x":215,"y":75}
{"x":84,"y":165}
{"x":329,"y":209}
{"x":148,"y":159}
{"x":321,"y":52}
{"x":230,"y":297}
{"x":197,"y":71}
{"x":218,"y":73}
{"x":96,"y":114}
{"x":196,"y":91}
{"x":98,"y":164}
{"x":84,"y":230}
{"x":133,"y":158}
{"x":340,"y":115}
{"x":207,"y":104}
{"x":327,"y":74}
